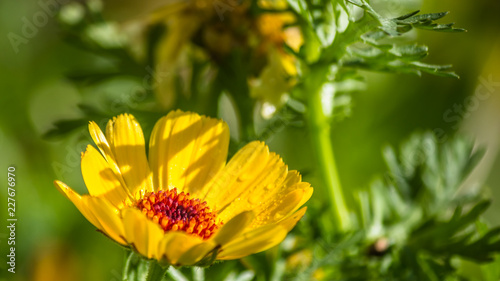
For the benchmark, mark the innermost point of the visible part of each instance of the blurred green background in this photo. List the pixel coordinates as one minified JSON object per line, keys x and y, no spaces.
{"x":55,"y":242}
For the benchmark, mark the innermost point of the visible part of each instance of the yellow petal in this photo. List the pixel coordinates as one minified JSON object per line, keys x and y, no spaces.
{"x":283,"y":205}
{"x":175,"y":244}
{"x":248,"y":181}
{"x":233,"y":228}
{"x":110,"y":132}
{"x":81,"y":202}
{"x":98,"y":211}
{"x":102,"y":143}
{"x":186,"y":150}
{"x":293,"y":182}
{"x":100,"y":179}
{"x":292,"y":178}
{"x":104,"y":147}
{"x":287,"y":199}
{"x":158,"y":149}
{"x":181,"y":143}
{"x":208,"y":156}
{"x":196,"y":253}
{"x":290,"y":222}
{"x":141,"y":232}
{"x":259,"y":239}
{"x":127,"y":145}
{"x":218,"y":190}
{"x":109,"y":218}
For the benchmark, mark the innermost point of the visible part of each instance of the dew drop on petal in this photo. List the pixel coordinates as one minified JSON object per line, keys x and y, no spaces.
{"x":244,"y":176}
{"x":278,"y":216}
{"x":253,"y":200}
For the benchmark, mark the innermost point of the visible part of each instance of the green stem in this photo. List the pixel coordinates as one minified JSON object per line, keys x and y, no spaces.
{"x":320,"y":126}
{"x":155,"y":271}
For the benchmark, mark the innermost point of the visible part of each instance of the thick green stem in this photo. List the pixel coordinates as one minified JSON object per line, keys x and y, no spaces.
{"x":320,"y":125}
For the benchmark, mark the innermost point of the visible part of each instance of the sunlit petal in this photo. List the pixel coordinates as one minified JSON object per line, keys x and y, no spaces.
{"x":128,"y":147}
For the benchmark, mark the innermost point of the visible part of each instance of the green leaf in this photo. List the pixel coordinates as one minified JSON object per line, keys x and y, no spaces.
{"x":455,"y":237}
{"x":483,"y":249}
{"x":63,"y":127}
{"x":356,"y":2}
{"x":491,"y":271}
{"x":414,"y":18}
{"x":198,"y":273}
{"x":410,"y":52}
{"x":407,"y":15}
{"x":176,"y":274}
{"x":136,"y":268}
{"x":155,"y":271}
{"x":436,"y":236}
{"x":332,"y":256}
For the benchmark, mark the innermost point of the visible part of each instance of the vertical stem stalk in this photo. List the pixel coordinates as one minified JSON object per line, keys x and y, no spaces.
{"x":320,"y":126}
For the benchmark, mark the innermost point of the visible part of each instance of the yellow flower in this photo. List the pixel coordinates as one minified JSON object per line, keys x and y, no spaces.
{"x":213,"y":30}
{"x":273,"y":28}
{"x":183,"y":204}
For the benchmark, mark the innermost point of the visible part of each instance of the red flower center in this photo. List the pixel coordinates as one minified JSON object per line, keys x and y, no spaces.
{"x":178,"y":212}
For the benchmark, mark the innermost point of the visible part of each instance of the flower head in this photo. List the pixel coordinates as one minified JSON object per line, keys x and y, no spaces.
{"x":183,"y":204}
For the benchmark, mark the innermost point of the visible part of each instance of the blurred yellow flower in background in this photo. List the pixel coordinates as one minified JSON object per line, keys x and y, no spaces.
{"x":278,"y":76}
{"x":274,"y":28}
{"x":54,"y":260}
{"x":218,"y":28}
{"x":183,"y":204}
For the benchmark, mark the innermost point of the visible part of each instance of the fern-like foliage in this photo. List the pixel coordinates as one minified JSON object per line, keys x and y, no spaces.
{"x":419,"y":222}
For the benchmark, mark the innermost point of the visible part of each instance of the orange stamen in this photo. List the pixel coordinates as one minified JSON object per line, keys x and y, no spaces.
{"x":178,"y":212}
